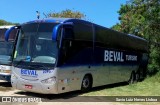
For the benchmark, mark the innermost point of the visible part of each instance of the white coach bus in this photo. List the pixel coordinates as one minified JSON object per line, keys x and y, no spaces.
{"x":6,"y":52}
{"x":59,"y":55}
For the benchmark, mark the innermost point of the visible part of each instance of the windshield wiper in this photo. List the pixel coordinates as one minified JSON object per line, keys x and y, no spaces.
{"x":22,"y":60}
{"x":38,"y":66}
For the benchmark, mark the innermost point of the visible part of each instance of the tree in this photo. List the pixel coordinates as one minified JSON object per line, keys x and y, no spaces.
{"x":67,"y":14}
{"x":142,"y":18}
{"x":3,"y":22}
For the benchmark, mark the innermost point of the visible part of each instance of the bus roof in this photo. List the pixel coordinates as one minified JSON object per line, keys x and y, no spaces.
{"x":137,"y":37}
{"x":84,"y":31}
{"x":58,"y":20}
{"x":49,"y":20}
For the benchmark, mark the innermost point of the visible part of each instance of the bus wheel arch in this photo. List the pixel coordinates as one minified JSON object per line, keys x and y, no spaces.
{"x":87,"y":82}
{"x":142,"y":70}
{"x":137,"y":76}
{"x":132,"y":77}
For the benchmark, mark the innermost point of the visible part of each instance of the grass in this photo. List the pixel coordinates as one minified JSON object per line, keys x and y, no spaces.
{"x":149,"y":87}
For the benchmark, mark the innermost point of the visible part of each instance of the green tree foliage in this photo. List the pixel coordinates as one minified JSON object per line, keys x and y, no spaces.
{"x":67,"y":14}
{"x":3,"y":22}
{"x":142,"y":18}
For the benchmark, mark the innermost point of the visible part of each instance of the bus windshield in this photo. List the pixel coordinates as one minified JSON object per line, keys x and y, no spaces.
{"x":35,"y":44}
{"x":6,"y":48}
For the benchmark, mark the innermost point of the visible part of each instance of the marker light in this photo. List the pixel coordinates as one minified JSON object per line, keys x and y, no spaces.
{"x":14,"y":76}
{"x":49,"y":80}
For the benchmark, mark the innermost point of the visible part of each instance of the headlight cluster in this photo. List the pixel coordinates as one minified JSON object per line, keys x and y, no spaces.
{"x":49,"y":80}
{"x":5,"y":71}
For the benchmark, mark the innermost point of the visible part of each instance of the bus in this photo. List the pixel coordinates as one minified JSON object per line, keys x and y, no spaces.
{"x":58,"y":55}
{"x":6,"y":52}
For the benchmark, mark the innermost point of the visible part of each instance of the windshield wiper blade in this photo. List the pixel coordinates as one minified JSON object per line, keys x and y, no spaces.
{"x":38,"y":66}
{"x":22,"y":60}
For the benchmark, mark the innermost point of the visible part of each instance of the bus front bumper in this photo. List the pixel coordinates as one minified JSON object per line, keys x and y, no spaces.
{"x":6,"y":77}
{"x":34,"y":86}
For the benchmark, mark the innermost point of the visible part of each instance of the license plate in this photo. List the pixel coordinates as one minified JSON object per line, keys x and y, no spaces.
{"x":28,"y":86}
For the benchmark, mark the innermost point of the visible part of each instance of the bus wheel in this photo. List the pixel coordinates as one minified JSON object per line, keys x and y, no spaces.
{"x":137,"y":77}
{"x":132,"y":78}
{"x":86,"y":83}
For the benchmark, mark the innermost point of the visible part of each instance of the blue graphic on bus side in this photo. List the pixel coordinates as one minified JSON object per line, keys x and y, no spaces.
{"x":30,"y":73}
{"x":47,"y":71}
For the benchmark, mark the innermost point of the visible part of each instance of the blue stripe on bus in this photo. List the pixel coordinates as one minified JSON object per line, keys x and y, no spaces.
{"x":100,"y":65}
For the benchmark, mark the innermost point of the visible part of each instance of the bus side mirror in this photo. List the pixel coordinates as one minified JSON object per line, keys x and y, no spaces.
{"x":7,"y":33}
{"x":58,"y":31}
{"x":57,"y":28}
{"x":55,"y":32}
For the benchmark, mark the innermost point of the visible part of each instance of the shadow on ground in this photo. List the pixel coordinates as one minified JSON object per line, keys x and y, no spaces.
{"x":5,"y":86}
{"x":74,"y":96}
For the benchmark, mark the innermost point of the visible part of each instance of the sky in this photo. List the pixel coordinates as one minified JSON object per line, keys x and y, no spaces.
{"x":101,"y":12}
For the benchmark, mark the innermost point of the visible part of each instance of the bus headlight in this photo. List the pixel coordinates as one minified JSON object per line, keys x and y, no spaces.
{"x":49,"y":80}
{"x":7,"y":71}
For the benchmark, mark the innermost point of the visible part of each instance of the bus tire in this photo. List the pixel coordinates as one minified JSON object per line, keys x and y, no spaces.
{"x":132,"y":78}
{"x":86,"y":83}
{"x":137,"y":77}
